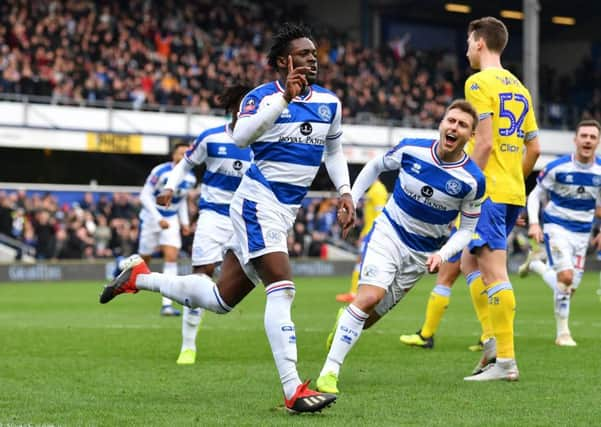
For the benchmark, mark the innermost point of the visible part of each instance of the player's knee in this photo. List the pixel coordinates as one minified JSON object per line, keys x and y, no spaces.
{"x":367,"y":301}
{"x":566,"y":277}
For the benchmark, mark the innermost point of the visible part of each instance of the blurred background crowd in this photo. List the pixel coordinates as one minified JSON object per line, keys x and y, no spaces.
{"x":106,"y":225}
{"x":150,"y":54}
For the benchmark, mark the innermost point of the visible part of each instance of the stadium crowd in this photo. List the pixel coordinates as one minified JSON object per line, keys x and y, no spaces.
{"x":89,"y":51}
{"x":149,"y":54}
{"x":107,"y":225}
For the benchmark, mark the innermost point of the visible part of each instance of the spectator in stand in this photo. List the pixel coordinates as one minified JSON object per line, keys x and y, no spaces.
{"x":43,"y":225}
{"x":6,"y":215}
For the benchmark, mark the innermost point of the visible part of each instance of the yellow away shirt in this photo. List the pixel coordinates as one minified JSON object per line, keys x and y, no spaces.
{"x":375,"y":199}
{"x":498,"y":93}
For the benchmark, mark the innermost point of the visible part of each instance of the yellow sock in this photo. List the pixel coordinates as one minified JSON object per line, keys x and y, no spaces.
{"x":480,"y":303}
{"x":437,"y":304}
{"x":355,"y":279}
{"x":502,"y":314}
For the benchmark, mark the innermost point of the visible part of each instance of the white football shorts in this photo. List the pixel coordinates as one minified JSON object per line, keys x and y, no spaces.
{"x":213,"y":231}
{"x":261,"y":224}
{"x":152,"y":235}
{"x":388,"y":263}
{"x":566,"y":250}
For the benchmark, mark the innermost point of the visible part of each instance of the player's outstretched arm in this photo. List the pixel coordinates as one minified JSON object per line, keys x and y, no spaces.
{"x":367,"y":177}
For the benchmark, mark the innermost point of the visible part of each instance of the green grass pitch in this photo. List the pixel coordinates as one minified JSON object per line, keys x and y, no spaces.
{"x":67,"y":360}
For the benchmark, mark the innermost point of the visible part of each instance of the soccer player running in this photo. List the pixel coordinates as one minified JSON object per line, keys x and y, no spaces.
{"x":375,"y":199}
{"x":507,"y":126}
{"x":160,"y":225}
{"x":572,"y":186}
{"x":289,"y":124}
{"x":437,"y":181}
{"x":225,"y":163}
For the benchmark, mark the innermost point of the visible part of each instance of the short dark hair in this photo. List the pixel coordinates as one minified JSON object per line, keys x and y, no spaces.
{"x":492,"y":30}
{"x":281,"y":40}
{"x":177,"y":145}
{"x":466,"y":107}
{"x":588,"y":122}
{"x":232,"y":96}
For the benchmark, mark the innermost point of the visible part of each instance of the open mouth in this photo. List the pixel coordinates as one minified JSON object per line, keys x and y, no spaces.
{"x":450,"y":138}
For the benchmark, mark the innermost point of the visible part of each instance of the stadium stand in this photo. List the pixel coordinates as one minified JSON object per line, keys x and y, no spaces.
{"x":96,"y":53}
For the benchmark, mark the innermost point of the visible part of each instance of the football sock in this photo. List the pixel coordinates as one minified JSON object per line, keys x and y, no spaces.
{"x":169,"y":269}
{"x":190,"y":321}
{"x":539,"y":267}
{"x":502,"y":313}
{"x":480,"y":303}
{"x":350,"y":325}
{"x":355,"y":279}
{"x":281,"y":334}
{"x":194,"y":290}
{"x":437,"y":304}
{"x":550,"y":278}
{"x":562,"y":309}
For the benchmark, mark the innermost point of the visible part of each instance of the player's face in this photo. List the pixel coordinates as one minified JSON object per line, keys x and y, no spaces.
{"x":178,"y":154}
{"x":586,"y":140}
{"x":455,"y":130}
{"x":304,"y":54}
{"x":473,"y":48}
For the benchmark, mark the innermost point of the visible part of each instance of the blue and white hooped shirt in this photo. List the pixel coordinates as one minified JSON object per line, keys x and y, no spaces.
{"x":225,"y":162}
{"x":429,"y":194}
{"x":287,"y":156}
{"x":573,"y":190}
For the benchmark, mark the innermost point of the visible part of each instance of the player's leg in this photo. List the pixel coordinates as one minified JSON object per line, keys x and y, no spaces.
{"x":273,"y":268}
{"x":275,"y":272}
{"x":169,"y":269}
{"x":170,"y":242}
{"x":383,"y":258}
{"x":569,"y":255}
{"x":535,"y":261}
{"x":207,"y":252}
{"x":437,"y":304}
{"x":192,"y":290}
{"x":470,"y":269}
{"x":261,"y":228}
{"x":492,"y":263}
{"x":191,"y":319}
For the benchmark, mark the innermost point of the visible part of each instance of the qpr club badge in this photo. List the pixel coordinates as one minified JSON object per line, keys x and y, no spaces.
{"x":453,"y":187}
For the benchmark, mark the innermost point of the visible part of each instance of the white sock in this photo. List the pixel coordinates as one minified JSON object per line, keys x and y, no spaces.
{"x":190,"y":321}
{"x":562,"y":311}
{"x":550,"y":278}
{"x":562,"y":325}
{"x":194,"y":290}
{"x":350,"y":325}
{"x":538,"y":267}
{"x":281,"y":334}
{"x":169,"y":269}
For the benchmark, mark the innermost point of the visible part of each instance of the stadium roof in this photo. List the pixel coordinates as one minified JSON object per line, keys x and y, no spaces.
{"x":585,"y":12}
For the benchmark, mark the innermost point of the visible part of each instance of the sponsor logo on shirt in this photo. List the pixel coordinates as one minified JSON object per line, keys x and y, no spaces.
{"x":306,"y":128}
{"x":427,"y":191}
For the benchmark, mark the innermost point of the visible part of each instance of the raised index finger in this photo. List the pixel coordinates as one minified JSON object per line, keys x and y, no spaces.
{"x":290,"y":66}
